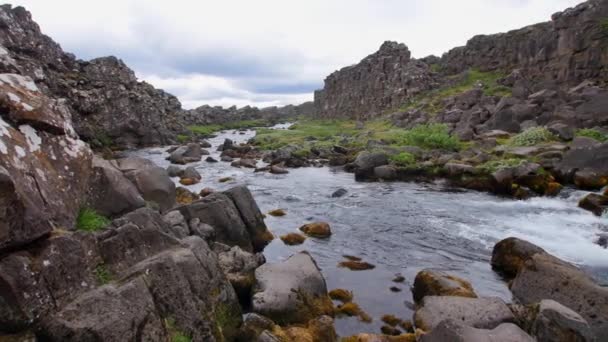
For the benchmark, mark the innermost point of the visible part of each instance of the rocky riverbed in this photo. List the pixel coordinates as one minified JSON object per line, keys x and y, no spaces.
{"x":402,"y":228}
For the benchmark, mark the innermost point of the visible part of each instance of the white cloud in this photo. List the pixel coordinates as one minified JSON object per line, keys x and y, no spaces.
{"x":267,"y":51}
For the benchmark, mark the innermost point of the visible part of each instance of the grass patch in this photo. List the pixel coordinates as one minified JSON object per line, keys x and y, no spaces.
{"x":532,"y":136}
{"x":210,"y":129}
{"x":183,"y":138}
{"x":430,"y":136}
{"x":432,"y":101}
{"x":604,"y":25}
{"x":102,"y":274}
{"x":89,"y":220}
{"x":402,"y":159}
{"x":593,"y":134}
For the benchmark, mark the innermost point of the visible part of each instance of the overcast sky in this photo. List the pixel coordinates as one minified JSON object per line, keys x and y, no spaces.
{"x":267,"y":52}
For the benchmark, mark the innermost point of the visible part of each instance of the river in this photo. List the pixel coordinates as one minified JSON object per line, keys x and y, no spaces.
{"x":403,"y":228}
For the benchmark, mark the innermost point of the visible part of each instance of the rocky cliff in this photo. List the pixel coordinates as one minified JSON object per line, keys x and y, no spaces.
{"x":109,"y":105}
{"x":569,"y":49}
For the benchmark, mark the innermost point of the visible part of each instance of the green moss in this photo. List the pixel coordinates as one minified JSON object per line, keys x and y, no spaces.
{"x":102,"y":274}
{"x":532,"y":136}
{"x":227,"y":319}
{"x":604,"y":25}
{"x":175,"y":334}
{"x":403,"y":159}
{"x":431,"y":136}
{"x":593,"y":134}
{"x":432,"y":101}
{"x":89,"y":220}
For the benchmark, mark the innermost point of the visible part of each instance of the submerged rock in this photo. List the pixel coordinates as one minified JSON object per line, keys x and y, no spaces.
{"x":317,"y":229}
{"x":339,"y":193}
{"x":436,"y":283}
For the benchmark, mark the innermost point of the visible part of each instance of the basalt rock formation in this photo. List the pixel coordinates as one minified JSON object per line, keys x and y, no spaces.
{"x":554,"y":56}
{"x":108,"y":104}
{"x":208,"y":115}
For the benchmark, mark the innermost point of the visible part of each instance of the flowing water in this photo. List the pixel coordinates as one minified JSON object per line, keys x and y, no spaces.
{"x":403,"y":228}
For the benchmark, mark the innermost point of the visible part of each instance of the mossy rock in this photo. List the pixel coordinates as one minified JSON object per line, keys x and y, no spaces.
{"x":317,"y":229}
{"x":437,"y":283}
{"x":293,"y":239}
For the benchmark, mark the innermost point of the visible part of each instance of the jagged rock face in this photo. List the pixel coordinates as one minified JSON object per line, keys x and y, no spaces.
{"x":206,"y":115}
{"x":44,"y":167}
{"x":380,"y":81}
{"x":110,"y":106}
{"x":570,"y":48}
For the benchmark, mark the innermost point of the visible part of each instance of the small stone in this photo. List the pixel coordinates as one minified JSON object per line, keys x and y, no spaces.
{"x":317,"y":229}
{"x":292,"y":239}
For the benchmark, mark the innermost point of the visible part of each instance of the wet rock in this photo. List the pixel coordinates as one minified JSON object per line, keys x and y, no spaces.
{"x":277,"y":212}
{"x":225,"y":179}
{"x":110,"y":192}
{"x":278,"y":170}
{"x":602,"y":240}
{"x":192,"y":173}
{"x":317,"y":229}
{"x":544,"y":276}
{"x":590,"y":180}
{"x":239,"y":267}
{"x":436,"y":283}
{"x":188,"y":181}
{"x":366,"y":162}
{"x":251,"y":216}
{"x":597,"y":204}
{"x":226,"y":159}
{"x":292,"y":239}
{"x":220,"y":212}
{"x":155,"y":186}
{"x":555,"y":322}
{"x":205,"y":144}
{"x":174,"y":171}
{"x":206,"y":192}
{"x":185,"y":196}
{"x":187,"y":154}
{"x":339,"y":193}
{"x":456,"y":331}
{"x":248,"y":163}
{"x":385,"y":172}
{"x":211,"y":160}
{"x":292,"y":291}
{"x":483,"y":313}
{"x":510,"y":254}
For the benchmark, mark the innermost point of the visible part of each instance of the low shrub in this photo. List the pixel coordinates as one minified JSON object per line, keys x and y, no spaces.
{"x":89,"y":220}
{"x":403,"y":159}
{"x":532,"y":136}
{"x":430,"y":136}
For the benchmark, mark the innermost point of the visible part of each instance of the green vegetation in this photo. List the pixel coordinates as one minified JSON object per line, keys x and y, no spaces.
{"x":532,"y":136}
{"x":209,"y":129}
{"x":604,"y":25}
{"x":102,"y":274}
{"x":403,"y":159}
{"x":174,"y":333}
{"x":183,"y":138}
{"x":432,"y":101}
{"x":228,"y":320}
{"x":89,"y":220}
{"x":431,"y":136}
{"x":499,"y":164}
{"x":593,"y":134}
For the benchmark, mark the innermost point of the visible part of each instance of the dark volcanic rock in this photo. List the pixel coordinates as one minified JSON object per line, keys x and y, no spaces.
{"x":382,"y":80}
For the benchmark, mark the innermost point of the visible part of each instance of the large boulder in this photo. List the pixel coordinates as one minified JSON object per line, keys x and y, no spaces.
{"x":293,"y":291}
{"x":592,"y":158}
{"x":544,"y":276}
{"x":187,"y":154}
{"x":595,"y":203}
{"x":110,"y":192}
{"x":220,"y":212}
{"x":366,"y":162}
{"x":555,"y":322}
{"x":436,"y":283}
{"x":510,"y":254}
{"x":483,"y":313}
{"x":239,"y":267}
{"x":44,"y":167}
{"x":251,"y":216}
{"x":155,"y":185}
{"x":455,"y":331}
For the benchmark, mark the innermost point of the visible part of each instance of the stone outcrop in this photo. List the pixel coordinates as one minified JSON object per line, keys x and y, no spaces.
{"x":383,"y":80}
{"x":110,"y":106}
{"x":209,"y":115}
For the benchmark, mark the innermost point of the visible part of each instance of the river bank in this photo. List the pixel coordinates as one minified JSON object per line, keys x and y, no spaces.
{"x":403,"y":228}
